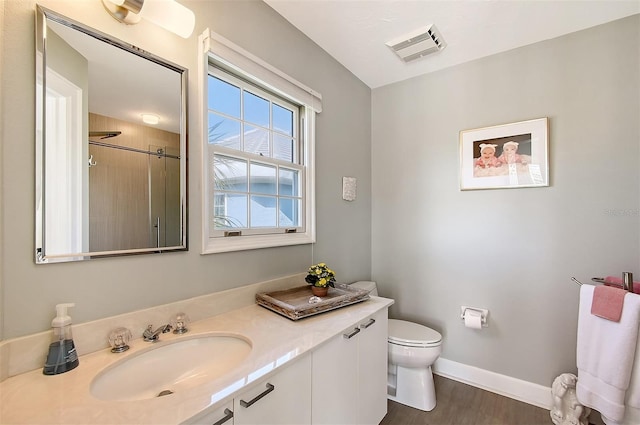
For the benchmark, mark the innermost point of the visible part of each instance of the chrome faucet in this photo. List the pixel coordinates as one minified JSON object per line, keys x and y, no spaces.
{"x":152,"y":336}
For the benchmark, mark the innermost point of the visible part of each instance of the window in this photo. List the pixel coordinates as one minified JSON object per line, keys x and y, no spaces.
{"x":258,"y":155}
{"x":255,"y":152}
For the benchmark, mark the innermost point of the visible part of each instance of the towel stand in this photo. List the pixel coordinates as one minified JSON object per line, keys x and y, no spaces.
{"x":627,"y":281}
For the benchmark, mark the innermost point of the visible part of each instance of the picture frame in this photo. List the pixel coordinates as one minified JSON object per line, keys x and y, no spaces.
{"x":506,"y":156}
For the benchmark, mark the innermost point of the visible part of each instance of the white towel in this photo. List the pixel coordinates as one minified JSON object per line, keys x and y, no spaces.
{"x":633,"y":393}
{"x":605,"y":355}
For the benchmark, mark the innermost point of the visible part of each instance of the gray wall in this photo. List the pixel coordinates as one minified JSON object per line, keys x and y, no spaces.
{"x":512,"y":251}
{"x":105,"y":287}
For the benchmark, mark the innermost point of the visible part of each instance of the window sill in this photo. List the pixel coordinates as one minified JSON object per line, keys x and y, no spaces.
{"x":243,"y":243}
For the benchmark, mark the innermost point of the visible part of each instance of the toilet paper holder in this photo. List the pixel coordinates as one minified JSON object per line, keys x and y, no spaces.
{"x":484,"y":313}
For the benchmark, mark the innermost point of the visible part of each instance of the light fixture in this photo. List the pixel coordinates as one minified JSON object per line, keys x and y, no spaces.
{"x":168,"y":14}
{"x":424,"y":41}
{"x":150,"y":119}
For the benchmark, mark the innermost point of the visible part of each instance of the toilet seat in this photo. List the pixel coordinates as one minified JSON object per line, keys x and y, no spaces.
{"x":411,"y":334}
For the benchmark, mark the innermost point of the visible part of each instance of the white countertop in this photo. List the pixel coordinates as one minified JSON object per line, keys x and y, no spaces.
{"x":65,"y":399}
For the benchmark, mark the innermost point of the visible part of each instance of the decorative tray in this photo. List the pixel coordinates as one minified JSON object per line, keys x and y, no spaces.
{"x":294,"y":303}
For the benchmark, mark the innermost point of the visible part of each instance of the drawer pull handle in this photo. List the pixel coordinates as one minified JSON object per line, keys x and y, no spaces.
{"x":228,"y":414}
{"x":369,"y":323}
{"x":352,"y":334}
{"x":247,"y":404}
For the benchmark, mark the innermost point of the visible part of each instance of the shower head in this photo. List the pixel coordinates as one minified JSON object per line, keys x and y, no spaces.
{"x":104,"y":134}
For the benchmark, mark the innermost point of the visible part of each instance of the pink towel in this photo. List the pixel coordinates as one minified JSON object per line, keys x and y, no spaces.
{"x":617,"y":282}
{"x":607,"y":302}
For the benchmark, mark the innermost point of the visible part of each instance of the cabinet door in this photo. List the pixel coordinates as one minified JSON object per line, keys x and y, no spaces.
{"x":221,"y":416}
{"x":334,"y":383}
{"x":284,"y":398}
{"x":372,"y":368}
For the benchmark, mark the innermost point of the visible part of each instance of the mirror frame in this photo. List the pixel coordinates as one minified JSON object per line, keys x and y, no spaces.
{"x":43,"y":15}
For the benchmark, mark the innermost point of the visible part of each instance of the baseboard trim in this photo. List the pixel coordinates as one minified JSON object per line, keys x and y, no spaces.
{"x":517,"y":389}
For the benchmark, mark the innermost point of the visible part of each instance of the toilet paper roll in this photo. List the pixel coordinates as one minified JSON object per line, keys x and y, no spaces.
{"x":473,"y":319}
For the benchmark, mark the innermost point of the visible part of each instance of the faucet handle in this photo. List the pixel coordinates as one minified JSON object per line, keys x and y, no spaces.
{"x":119,"y":340}
{"x":179,"y":323}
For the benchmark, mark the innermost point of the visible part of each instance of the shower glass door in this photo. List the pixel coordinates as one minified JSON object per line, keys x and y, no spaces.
{"x":164,"y":196}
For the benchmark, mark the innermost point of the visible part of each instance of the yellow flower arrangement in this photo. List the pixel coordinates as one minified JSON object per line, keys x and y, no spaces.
{"x":320,"y":275}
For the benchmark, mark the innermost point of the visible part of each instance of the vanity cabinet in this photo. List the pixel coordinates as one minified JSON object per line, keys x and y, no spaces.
{"x":349,"y":375}
{"x":318,"y":375}
{"x":343,"y":381}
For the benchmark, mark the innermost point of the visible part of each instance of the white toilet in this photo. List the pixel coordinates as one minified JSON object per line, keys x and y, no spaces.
{"x":413,"y":349}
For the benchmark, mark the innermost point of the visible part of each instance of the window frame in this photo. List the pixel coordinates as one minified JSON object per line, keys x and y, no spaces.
{"x":230,"y":58}
{"x":253,"y":158}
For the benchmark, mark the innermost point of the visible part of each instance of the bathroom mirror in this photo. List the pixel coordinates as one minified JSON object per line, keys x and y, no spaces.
{"x":107,"y":182}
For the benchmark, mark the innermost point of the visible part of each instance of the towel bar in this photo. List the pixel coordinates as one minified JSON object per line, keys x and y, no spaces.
{"x":627,"y":281}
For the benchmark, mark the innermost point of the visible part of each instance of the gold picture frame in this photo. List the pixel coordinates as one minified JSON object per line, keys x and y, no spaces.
{"x":505,"y":156}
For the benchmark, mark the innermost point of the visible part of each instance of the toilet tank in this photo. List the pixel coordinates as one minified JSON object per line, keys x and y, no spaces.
{"x":367,"y":285}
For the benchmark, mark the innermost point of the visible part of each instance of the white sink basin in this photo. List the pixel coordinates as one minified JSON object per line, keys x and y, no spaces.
{"x":170,"y":367}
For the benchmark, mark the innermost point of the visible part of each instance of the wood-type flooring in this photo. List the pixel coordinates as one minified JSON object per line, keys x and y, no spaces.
{"x":462,"y":404}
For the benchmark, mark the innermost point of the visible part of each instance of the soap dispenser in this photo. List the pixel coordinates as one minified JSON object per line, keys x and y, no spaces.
{"x":62,"y":355}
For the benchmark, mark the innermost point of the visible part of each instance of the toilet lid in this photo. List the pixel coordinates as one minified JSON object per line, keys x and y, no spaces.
{"x":408,"y":333}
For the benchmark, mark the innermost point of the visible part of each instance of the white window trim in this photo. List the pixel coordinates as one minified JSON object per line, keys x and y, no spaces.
{"x":224,"y":53}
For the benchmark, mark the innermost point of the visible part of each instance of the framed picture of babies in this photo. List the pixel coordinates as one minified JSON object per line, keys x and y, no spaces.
{"x":505,"y":156}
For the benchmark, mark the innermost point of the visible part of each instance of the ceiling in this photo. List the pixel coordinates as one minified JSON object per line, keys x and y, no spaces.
{"x":354,"y":32}
{"x":123,"y":85}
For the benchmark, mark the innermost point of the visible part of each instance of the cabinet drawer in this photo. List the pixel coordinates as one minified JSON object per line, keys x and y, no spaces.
{"x":284,"y":398}
{"x":219,"y":416}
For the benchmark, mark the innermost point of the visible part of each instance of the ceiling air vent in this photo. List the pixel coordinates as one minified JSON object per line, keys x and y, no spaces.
{"x":417,"y":44}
